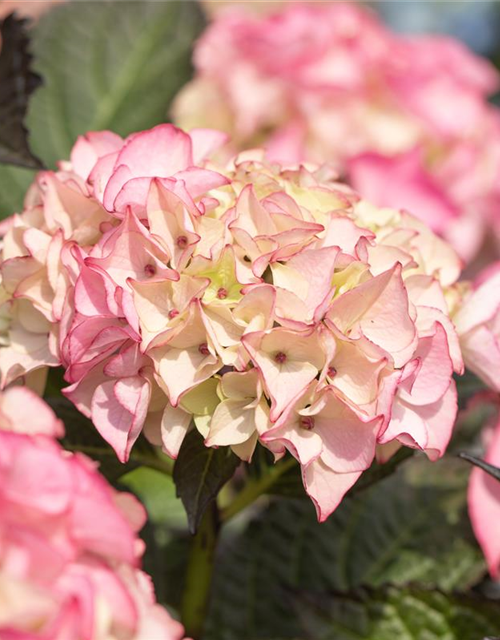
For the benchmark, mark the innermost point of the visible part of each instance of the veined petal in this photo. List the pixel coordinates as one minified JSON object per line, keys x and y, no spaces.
{"x":325,"y":487}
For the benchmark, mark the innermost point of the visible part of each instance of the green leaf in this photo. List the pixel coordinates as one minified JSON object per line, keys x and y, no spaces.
{"x":477,"y":462}
{"x":14,"y":182}
{"x":392,"y":532}
{"x":18,"y":82}
{"x":405,"y":614}
{"x":108,"y":65}
{"x":199,"y":474}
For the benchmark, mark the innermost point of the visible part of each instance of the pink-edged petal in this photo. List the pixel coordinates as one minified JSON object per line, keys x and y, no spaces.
{"x":305,"y":445}
{"x":288,"y":361}
{"x":95,"y":293}
{"x":101,"y":174}
{"x":380,"y":308}
{"x":81,"y":392}
{"x":342,"y":232}
{"x":434,"y":374}
{"x":161,"y":152}
{"x":313,"y":270}
{"x":118,"y":178}
{"x":133,"y":192}
{"x":427,"y":317}
{"x":22,"y":411}
{"x":440,"y":418}
{"x":427,"y":427}
{"x":175,"y":423}
{"x":356,"y":374}
{"x":182,"y":369}
{"x":348,"y":440}
{"x":325,"y":487}
{"x":198,"y":181}
{"x":126,"y":363}
{"x":407,"y":426}
{"x":90,"y":147}
{"x":119,"y":426}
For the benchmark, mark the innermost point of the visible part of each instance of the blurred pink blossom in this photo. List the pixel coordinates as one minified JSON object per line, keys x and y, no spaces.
{"x":405,"y":118}
{"x":69,"y":550}
{"x":484,"y":502}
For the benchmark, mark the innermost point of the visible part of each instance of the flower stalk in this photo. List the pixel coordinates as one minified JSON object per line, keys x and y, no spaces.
{"x":196,"y":596}
{"x":255,"y":488}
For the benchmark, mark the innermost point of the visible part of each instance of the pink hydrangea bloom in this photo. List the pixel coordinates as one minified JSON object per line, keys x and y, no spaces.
{"x":69,"y":551}
{"x":331,"y":83}
{"x":263,"y":304}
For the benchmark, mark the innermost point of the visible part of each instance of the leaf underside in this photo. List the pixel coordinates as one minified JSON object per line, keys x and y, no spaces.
{"x":199,"y":474}
{"x":485,"y":466}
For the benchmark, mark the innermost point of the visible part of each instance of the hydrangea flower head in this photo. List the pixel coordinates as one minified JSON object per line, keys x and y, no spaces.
{"x":329,"y":83}
{"x":261,"y":305}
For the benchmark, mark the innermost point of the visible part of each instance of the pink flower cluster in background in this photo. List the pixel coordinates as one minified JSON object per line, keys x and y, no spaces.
{"x":405,"y":118}
{"x":477,"y":320}
{"x":484,"y":499}
{"x":69,"y":551}
{"x":264,"y":304}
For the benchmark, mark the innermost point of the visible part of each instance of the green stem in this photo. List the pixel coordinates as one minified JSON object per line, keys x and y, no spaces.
{"x":196,"y":596}
{"x":254,"y":488}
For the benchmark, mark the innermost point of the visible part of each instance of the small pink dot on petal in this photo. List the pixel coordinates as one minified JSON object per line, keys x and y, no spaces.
{"x":150,"y":270}
{"x":332,"y":372}
{"x":182,"y":242}
{"x":222,"y":293}
{"x":307,"y":422}
{"x":173,"y":313}
{"x":280,"y":357}
{"x":203,"y":349}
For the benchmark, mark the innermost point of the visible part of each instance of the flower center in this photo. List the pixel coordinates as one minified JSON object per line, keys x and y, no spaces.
{"x":332,"y":372}
{"x":173,"y":313}
{"x":280,"y":357}
{"x":222,"y":293}
{"x":150,"y":270}
{"x":203,"y":349}
{"x":182,"y":242}
{"x":307,"y":422}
